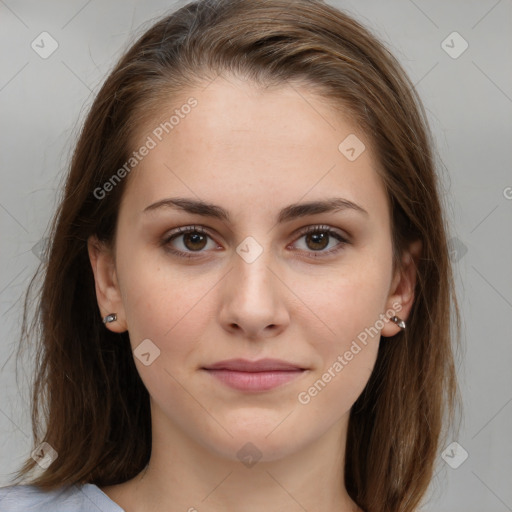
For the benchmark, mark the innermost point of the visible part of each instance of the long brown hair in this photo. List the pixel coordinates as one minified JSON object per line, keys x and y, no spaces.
{"x":88,"y":401}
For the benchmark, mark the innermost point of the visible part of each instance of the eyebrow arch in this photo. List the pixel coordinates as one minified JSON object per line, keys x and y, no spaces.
{"x":293,"y":211}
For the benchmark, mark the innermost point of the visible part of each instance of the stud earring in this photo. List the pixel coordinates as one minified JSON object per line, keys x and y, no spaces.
{"x":110,"y":318}
{"x":398,"y":321}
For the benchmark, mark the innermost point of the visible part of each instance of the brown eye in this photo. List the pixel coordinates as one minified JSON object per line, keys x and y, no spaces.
{"x":318,"y":238}
{"x":187,"y":241}
{"x":194,"y":241}
{"x":317,"y":241}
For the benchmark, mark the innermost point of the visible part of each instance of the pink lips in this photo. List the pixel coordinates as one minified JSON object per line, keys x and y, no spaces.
{"x":259,"y":375}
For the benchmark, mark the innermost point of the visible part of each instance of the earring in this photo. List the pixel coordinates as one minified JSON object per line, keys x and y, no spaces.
{"x":110,"y":318}
{"x":398,"y":321}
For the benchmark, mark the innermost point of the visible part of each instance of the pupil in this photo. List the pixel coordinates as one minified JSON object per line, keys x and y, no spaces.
{"x":318,"y":238}
{"x":196,"y":238}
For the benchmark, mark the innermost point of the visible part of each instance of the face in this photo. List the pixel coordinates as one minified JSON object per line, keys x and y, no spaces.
{"x":194,"y":287}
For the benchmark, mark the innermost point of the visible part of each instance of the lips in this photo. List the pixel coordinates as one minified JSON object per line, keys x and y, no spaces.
{"x":254,"y":376}
{"x":263,"y":365}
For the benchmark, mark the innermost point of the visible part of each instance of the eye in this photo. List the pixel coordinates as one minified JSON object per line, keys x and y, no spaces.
{"x":318,"y":238}
{"x":193,"y":239}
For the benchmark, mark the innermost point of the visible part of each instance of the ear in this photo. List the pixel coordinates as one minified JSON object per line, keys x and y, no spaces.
{"x":108,"y":294}
{"x":401,"y":296}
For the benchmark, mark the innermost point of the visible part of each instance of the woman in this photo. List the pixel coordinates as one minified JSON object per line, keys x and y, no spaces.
{"x":248,"y":298}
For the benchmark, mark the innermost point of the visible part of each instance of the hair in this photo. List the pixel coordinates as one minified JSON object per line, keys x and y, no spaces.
{"x":88,"y":401}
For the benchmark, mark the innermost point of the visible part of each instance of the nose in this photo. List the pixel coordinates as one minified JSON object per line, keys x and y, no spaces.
{"x":253,"y":298}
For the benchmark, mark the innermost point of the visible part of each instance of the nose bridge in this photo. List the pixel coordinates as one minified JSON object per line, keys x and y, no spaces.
{"x":250,"y":299}
{"x":251,"y":269}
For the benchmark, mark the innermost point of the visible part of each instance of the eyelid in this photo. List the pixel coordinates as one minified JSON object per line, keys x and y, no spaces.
{"x":297,"y":232}
{"x":322,"y":227}
{"x":183,"y":230}
{"x":342,"y":237}
{"x":343,"y":240}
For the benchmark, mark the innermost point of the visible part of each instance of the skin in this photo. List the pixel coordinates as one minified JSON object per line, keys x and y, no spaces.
{"x":252,"y":151}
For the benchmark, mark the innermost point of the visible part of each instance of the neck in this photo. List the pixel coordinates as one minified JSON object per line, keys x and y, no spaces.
{"x":183,"y":475}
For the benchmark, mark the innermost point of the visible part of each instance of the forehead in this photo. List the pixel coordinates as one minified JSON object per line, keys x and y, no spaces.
{"x":248,"y":147}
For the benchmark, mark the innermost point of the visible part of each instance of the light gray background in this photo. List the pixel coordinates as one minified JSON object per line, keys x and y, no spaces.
{"x":469,"y":102}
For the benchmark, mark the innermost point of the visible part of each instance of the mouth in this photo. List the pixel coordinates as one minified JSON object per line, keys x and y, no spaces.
{"x":261,"y":375}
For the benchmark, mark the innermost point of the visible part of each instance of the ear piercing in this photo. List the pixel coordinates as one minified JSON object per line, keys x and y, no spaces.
{"x":398,"y":321}
{"x":110,"y":318}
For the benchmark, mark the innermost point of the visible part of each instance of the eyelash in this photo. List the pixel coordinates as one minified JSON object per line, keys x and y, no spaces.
{"x":308,"y":230}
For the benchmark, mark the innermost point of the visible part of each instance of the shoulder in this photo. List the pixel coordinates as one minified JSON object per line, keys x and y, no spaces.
{"x":28,"y":498}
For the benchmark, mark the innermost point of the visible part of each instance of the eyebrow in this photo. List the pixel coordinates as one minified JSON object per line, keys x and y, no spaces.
{"x":290,"y":212}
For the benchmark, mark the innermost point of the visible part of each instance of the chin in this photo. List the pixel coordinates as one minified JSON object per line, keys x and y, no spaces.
{"x":256,"y":444}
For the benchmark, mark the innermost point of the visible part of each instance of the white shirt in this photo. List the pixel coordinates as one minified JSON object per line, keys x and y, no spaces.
{"x":76,"y":498}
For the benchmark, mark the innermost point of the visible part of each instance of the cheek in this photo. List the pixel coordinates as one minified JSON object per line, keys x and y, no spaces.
{"x":332,"y":392}
{"x":164,"y":305}
{"x":347,"y":301}
{"x":346,"y":359}
{"x":346,"y":329}
{"x":169,"y":310}
{"x":158,"y":295}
